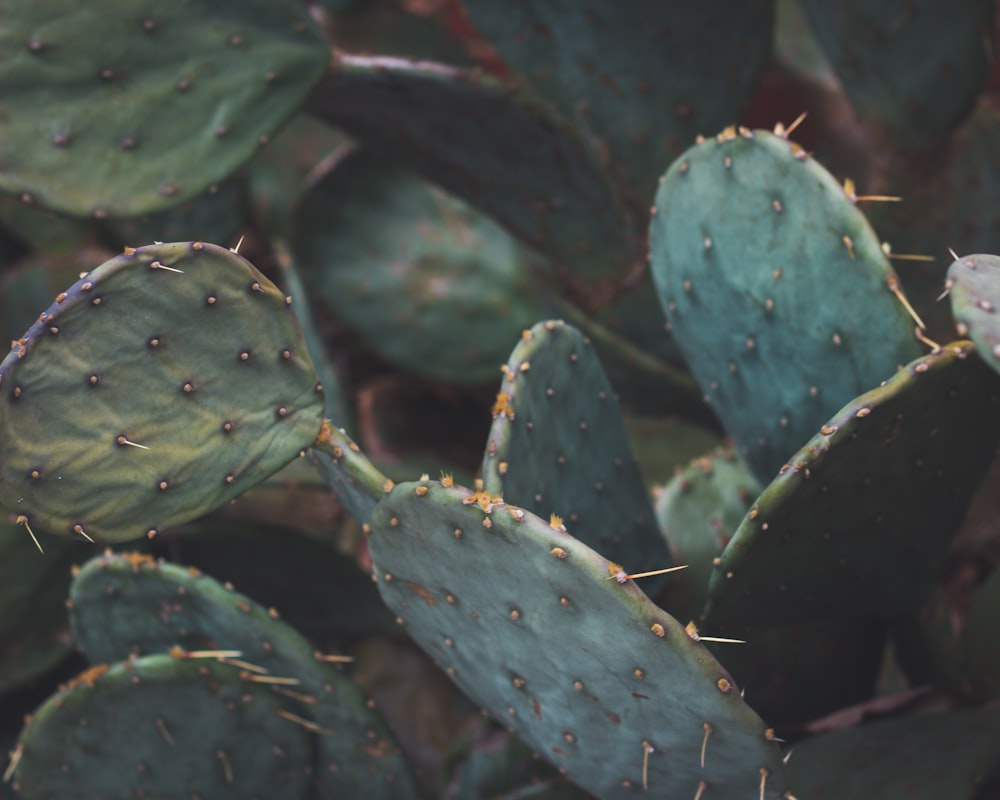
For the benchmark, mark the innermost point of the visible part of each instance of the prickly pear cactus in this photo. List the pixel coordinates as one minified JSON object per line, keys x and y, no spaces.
{"x":164,"y":725}
{"x":558,"y":446}
{"x":776,"y":290}
{"x":871,"y":502}
{"x":162,"y":384}
{"x":180,"y":95}
{"x":563,"y":648}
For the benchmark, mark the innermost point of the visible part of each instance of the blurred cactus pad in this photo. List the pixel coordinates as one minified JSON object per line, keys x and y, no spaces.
{"x":465,"y":400}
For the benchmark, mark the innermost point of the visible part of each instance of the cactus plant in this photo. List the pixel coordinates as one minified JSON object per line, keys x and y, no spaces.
{"x":785,"y":544}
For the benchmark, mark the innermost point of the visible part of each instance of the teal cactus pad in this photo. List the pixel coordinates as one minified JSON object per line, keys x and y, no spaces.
{"x":860,"y":521}
{"x":182,"y":349}
{"x":639,"y":79}
{"x":697,"y":513}
{"x":122,"y":604}
{"x":533,"y":626}
{"x":776,"y":290}
{"x":501,"y":150}
{"x":434,"y":286}
{"x":558,"y":445}
{"x":913,"y":68}
{"x":974,"y":287}
{"x":119,"y":109}
{"x":163,"y":726}
{"x":919,"y":757}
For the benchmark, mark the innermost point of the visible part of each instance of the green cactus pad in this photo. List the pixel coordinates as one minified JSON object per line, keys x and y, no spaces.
{"x":163,"y":726}
{"x":860,"y":521}
{"x":501,"y":150}
{"x":122,"y":604}
{"x":919,"y":757}
{"x":775,"y":288}
{"x":162,"y":384}
{"x":533,"y":625}
{"x":974,"y":284}
{"x":558,"y":445}
{"x":789,"y":674}
{"x":114,"y":109}
{"x":914,"y":68}
{"x":434,"y":286}
{"x":697,"y":513}
{"x":640,"y":79}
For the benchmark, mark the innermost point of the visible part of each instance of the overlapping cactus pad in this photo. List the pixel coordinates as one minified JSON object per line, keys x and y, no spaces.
{"x":565,"y":650}
{"x":162,"y":384}
{"x":371,"y":232}
{"x":919,"y":757}
{"x":860,"y":520}
{"x":165,"y":725}
{"x":776,"y":290}
{"x":640,"y":79}
{"x":914,"y":68}
{"x":558,"y":446}
{"x":140,"y":104}
{"x":124,"y":604}
{"x":974,"y":286}
{"x":502,"y":150}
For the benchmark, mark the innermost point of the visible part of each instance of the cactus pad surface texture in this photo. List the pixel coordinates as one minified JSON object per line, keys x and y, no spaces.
{"x":166,"y":381}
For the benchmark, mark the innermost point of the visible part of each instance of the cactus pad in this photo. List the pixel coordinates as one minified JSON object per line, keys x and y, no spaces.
{"x":559,"y":446}
{"x":919,"y":757}
{"x":501,"y":150}
{"x":163,"y":726}
{"x":127,"y":604}
{"x":974,"y":284}
{"x":162,"y":384}
{"x":860,"y":520}
{"x":697,"y":512}
{"x":776,"y":290}
{"x":913,"y":68}
{"x":123,"y":108}
{"x":640,"y":79}
{"x":534,"y":626}
{"x":434,"y":286}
